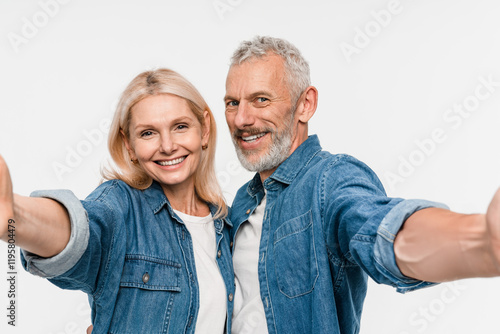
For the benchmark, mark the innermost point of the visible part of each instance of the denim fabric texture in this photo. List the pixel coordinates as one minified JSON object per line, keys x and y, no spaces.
{"x":327,"y":226}
{"x":133,"y":256}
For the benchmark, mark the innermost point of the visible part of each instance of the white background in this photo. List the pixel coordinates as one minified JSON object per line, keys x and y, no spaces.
{"x":65,"y":63}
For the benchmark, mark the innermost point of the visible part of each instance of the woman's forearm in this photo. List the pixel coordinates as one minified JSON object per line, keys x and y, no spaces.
{"x":38,"y":225}
{"x":42,"y":225}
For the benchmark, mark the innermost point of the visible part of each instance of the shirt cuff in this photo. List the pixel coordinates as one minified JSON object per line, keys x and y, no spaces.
{"x":69,"y":256}
{"x":384,"y":243}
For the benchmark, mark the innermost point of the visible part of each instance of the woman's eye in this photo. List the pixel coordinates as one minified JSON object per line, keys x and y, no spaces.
{"x":146,"y":133}
{"x":181,"y":127}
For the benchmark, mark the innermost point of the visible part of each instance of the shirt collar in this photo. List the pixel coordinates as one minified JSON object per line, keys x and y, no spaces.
{"x":291,"y":167}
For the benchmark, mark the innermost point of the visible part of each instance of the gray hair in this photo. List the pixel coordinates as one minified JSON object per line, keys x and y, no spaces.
{"x":296,"y":67}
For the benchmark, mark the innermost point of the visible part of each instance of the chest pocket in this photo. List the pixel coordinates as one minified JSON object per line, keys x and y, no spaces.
{"x":148,"y":289}
{"x":150,"y":273}
{"x":295,"y":256}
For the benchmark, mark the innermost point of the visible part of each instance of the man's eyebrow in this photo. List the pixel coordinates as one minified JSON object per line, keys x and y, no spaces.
{"x":250,"y":97}
{"x":259,"y":93}
{"x":229,"y":97}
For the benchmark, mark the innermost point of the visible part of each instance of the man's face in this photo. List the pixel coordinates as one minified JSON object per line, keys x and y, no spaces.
{"x":260,"y":114}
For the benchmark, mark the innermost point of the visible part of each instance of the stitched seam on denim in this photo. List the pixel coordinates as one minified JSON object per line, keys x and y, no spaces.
{"x":289,"y":179}
{"x":323,"y":201}
{"x":155,"y":287}
{"x":269,"y":208}
{"x":142,"y":257}
{"x":179,"y":229}
{"x":364,"y":238}
{"x":338,"y":261}
{"x":98,"y":292}
{"x":317,"y":269}
{"x":386,"y":234}
{"x":293,"y":233}
{"x":168,"y":313}
{"x":412,"y":282}
{"x":338,"y":280}
{"x":109,"y":186}
{"x":70,"y":279}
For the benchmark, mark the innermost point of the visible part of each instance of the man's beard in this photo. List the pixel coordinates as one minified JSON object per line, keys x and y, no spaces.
{"x":279,"y":149}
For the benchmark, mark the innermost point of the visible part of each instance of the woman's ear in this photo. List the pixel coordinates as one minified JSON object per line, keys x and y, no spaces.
{"x":205,"y":131}
{"x":127,"y":145}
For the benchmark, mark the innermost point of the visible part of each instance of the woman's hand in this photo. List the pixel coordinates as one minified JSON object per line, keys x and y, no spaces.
{"x":6,"y":199}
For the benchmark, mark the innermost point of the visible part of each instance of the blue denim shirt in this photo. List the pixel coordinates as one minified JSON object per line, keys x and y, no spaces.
{"x":327,"y":225}
{"x":133,"y":256}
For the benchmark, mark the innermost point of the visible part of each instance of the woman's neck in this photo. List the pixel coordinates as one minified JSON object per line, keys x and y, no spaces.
{"x":186,"y":200}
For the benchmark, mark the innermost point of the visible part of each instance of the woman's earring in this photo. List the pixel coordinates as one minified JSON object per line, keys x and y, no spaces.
{"x":204,"y":147}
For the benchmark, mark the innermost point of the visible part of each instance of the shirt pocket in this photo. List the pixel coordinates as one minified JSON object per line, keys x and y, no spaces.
{"x":295,"y":256}
{"x":148,"y":288}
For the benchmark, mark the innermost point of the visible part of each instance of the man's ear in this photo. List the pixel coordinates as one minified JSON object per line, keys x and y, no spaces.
{"x":307,"y":104}
{"x":127,"y":145}
{"x":205,"y":131}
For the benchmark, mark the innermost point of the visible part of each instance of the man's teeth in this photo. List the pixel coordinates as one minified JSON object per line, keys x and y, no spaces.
{"x":171,"y":162}
{"x":252,"y":138}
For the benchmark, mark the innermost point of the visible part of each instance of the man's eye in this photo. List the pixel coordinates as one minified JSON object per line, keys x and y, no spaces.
{"x":262,"y":99}
{"x":232,"y":103}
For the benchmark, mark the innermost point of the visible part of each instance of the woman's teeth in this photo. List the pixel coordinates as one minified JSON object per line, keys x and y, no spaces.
{"x":171,"y":162}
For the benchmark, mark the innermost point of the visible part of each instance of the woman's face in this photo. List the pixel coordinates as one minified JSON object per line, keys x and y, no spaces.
{"x":166,"y":139}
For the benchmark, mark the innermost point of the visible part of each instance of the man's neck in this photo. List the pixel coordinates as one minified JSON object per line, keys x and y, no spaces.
{"x":265,"y":174}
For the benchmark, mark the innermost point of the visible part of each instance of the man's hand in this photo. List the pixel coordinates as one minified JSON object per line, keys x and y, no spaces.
{"x":493,"y":226}
{"x":6,"y":199}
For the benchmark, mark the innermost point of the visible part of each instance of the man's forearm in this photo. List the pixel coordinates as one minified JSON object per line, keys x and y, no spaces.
{"x":438,"y":245}
{"x":42,"y":225}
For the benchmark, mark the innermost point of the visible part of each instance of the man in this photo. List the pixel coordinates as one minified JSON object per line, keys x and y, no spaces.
{"x":310,"y":226}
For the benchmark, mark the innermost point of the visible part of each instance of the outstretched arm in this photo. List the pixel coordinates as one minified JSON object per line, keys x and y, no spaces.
{"x":41,"y":225}
{"x":439,"y":245}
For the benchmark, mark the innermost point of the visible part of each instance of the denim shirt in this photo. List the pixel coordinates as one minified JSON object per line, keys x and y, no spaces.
{"x":134,"y":258}
{"x":327,"y":225}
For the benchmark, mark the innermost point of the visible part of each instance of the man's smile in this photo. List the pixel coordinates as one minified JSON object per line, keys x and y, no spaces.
{"x":252,"y":138}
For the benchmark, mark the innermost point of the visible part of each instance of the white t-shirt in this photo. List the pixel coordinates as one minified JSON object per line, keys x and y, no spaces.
{"x":248,"y":315}
{"x":213,"y":307}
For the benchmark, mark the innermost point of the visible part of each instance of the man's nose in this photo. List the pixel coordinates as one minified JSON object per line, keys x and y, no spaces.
{"x":244,"y":116}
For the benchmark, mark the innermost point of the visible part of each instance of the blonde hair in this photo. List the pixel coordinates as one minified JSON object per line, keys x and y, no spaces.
{"x":162,"y":81}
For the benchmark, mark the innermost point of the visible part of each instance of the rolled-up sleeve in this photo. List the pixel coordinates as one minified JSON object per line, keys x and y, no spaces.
{"x":71,"y":254}
{"x":362,"y":221}
{"x":384,"y":242}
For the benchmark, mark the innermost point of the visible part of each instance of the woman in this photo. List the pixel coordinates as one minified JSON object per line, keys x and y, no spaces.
{"x":153,"y":255}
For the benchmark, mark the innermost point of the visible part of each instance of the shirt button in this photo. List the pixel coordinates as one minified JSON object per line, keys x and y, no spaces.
{"x":230,"y":297}
{"x":145,"y":278}
{"x":231,"y":244}
{"x":219,"y":253}
{"x":248,"y":211}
